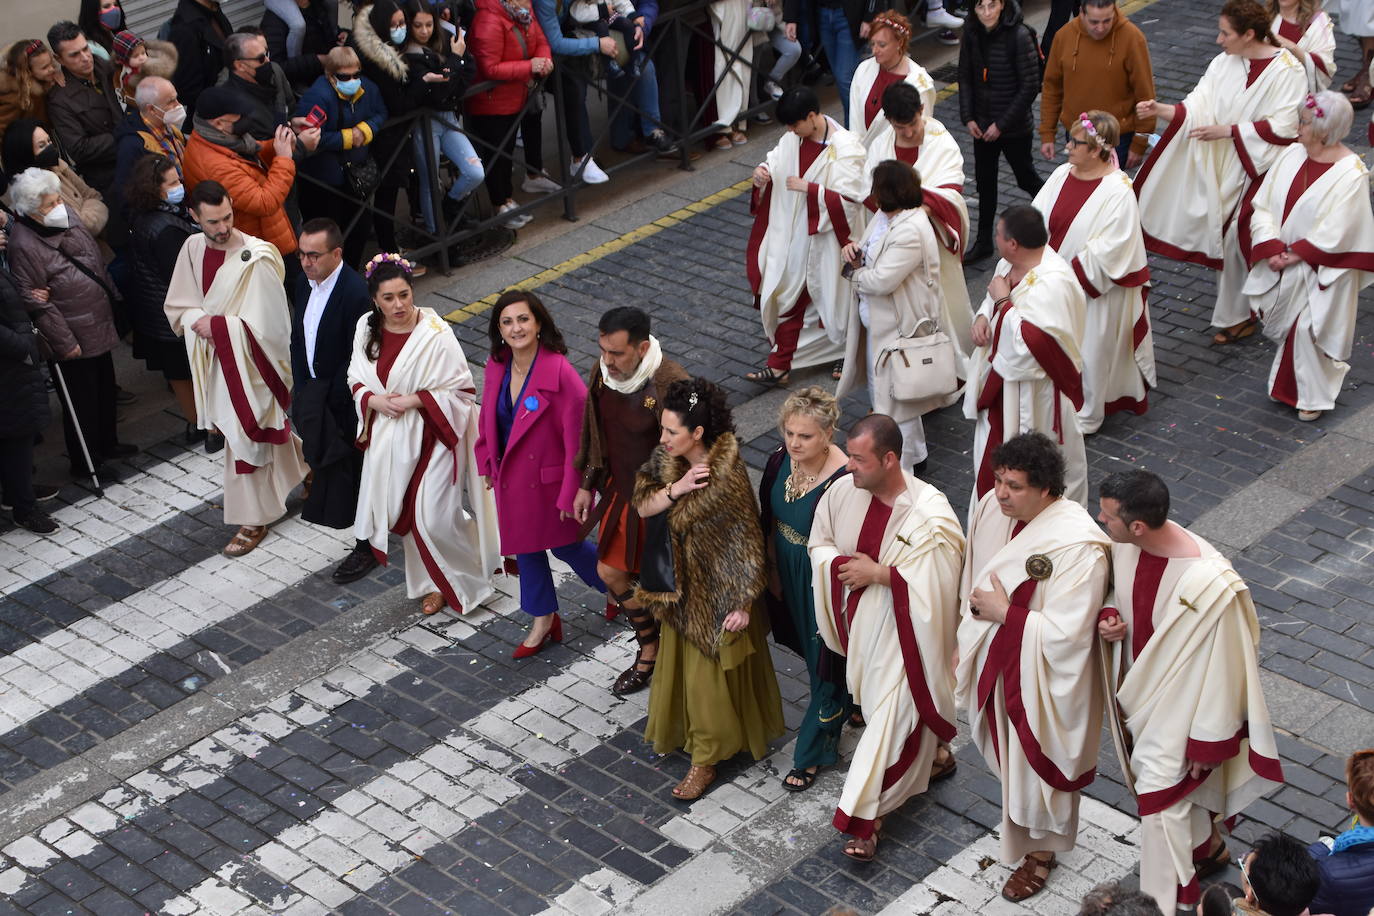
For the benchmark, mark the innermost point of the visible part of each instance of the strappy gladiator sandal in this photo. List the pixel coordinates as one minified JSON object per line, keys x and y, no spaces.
{"x":694,"y":783}
{"x":646,"y":629}
{"x":1027,"y":881}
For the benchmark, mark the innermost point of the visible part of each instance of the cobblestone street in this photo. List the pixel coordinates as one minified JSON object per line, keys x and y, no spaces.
{"x":185,"y":733}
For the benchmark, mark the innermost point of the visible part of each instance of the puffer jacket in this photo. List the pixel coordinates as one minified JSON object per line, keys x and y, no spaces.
{"x":999,"y":73}
{"x":501,"y":57}
{"x":155,"y":239}
{"x":1347,"y":880}
{"x":383,"y":64}
{"x":198,"y":33}
{"x":365,"y":111}
{"x":258,"y":187}
{"x":24,"y":408}
{"x":78,"y":310}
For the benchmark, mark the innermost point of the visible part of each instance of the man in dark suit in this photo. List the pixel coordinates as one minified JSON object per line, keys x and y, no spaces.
{"x":329,"y":299}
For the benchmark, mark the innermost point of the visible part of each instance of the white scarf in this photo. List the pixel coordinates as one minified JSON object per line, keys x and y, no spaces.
{"x":653,"y":358}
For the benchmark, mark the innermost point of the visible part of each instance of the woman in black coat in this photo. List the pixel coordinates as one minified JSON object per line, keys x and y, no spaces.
{"x":24,"y":410}
{"x":999,"y":77}
{"x":158,"y":224}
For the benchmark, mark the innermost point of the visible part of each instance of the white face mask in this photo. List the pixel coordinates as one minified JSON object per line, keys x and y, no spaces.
{"x":57,"y":218}
{"x":174,"y":117}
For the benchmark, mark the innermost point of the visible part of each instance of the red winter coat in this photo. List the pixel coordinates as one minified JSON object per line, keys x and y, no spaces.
{"x":501,"y":57}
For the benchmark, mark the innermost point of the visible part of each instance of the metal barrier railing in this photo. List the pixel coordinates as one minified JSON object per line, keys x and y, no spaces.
{"x":679,"y":26}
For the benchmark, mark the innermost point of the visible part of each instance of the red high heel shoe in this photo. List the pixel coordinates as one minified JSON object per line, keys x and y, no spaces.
{"x":612,"y":609}
{"x":555,"y":634}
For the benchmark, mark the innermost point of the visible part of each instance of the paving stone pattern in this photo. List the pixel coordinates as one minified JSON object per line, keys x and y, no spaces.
{"x":430,"y":773}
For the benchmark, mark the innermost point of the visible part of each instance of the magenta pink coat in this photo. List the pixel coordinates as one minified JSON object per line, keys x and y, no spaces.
{"x":535,"y":479}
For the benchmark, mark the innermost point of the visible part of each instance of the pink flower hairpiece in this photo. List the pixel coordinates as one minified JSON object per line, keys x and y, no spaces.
{"x":1311,"y":102}
{"x":1090,"y":130}
{"x":881,"y":21}
{"x":386,"y":257}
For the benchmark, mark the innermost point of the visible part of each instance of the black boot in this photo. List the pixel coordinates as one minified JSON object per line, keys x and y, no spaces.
{"x":981,"y":251}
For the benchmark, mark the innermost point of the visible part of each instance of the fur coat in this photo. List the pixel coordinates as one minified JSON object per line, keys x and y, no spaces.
{"x":718,"y":557}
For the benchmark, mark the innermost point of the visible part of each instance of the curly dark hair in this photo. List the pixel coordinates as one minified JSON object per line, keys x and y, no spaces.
{"x":143,"y":193}
{"x":1036,"y":455}
{"x":383,"y":272}
{"x":709,"y":411}
{"x":549,"y":336}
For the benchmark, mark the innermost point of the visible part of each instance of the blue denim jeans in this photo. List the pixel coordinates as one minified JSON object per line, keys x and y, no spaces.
{"x":454,"y":144}
{"x":642,"y":94}
{"x":840,"y":50}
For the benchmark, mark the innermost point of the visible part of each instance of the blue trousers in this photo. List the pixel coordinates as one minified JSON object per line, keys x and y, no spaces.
{"x":538,"y":598}
{"x":840,"y":50}
{"x":643,"y":93}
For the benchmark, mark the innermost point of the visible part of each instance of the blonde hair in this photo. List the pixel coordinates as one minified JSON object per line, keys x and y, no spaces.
{"x":814,"y":402}
{"x":338,"y":58}
{"x":1307,"y":11}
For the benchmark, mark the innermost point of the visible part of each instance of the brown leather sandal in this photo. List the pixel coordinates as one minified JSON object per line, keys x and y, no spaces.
{"x":1235,"y":332}
{"x":1027,"y":881}
{"x":432,"y":603}
{"x":244,"y":540}
{"x":942,"y":771}
{"x":863,"y":850}
{"x":1214,"y":861}
{"x":694,"y":783}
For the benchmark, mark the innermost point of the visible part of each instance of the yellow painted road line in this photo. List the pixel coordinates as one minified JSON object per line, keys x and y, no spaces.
{"x":460,"y":315}
{"x":457,"y":316}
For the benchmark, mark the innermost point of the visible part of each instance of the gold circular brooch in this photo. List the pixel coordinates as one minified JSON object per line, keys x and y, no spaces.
{"x":1039,"y":567}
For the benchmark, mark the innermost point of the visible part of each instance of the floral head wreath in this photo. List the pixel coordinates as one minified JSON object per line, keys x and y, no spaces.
{"x":883,"y":21}
{"x":1091,"y":133}
{"x":386,"y":257}
{"x":1090,"y":130}
{"x":1317,"y":111}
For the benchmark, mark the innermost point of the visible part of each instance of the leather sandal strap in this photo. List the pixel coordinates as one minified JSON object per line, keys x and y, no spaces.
{"x":645,"y":626}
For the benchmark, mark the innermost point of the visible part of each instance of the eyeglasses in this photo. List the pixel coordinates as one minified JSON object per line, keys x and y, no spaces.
{"x":262,"y":58}
{"x":1071,"y":140}
{"x":311,"y":256}
{"x":345,"y":76}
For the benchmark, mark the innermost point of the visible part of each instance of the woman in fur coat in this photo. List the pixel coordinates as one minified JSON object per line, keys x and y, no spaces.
{"x":714,"y":693}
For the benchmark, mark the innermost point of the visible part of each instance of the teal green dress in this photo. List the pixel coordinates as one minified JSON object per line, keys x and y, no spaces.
{"x":818,"y":737}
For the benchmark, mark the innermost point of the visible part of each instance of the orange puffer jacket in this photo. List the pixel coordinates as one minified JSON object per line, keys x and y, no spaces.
{"x":258,"y":189}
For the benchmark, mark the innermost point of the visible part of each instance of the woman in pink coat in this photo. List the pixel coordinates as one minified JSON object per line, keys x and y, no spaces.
{"x":531,"y":425}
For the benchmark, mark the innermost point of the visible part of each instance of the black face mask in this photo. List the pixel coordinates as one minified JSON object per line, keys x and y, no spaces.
{"x":264,"y":75}
{"x":240,"y":126}
{"x":46,"y":159}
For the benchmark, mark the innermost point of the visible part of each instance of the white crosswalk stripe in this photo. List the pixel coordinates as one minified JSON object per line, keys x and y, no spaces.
{"x":144,"y":501}
{"x":61,"y":665}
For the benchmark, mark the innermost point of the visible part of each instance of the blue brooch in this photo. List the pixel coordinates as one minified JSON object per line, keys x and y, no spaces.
{"x":531,"y":403}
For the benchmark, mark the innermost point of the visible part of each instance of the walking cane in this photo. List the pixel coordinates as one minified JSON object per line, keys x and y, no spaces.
{"x":76,"y":422}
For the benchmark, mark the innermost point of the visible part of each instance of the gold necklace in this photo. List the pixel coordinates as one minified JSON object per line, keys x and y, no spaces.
{"x":796,"y":485}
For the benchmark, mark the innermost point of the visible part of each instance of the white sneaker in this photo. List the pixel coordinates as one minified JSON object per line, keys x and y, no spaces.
{"x":943,"y":19}
{"x":514,"y":222}
{"x":773,"y":89}
{"x":592,"y":174}
{"x":540,"y":184}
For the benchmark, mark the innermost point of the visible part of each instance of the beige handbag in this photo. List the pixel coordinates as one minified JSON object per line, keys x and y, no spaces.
{"x":920,"y":367}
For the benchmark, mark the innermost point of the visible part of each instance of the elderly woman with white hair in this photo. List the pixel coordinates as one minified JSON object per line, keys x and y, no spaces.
{"x":56,"y":263}
{"x":1311,"y":251}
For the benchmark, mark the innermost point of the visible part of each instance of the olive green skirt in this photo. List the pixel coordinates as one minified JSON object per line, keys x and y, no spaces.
{"x":710,"y":712}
